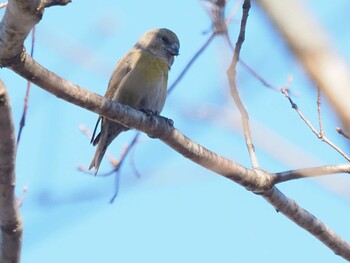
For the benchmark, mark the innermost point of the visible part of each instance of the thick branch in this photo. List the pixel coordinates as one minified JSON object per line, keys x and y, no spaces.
{"x":311,"y":45}
{"x":311,"y":172}
{"x":10,"y":220}
{"x":307,"y":221}
{"x":19,"y":19}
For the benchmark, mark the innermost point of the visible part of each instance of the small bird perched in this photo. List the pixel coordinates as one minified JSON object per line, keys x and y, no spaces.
{"x":139,"y":80}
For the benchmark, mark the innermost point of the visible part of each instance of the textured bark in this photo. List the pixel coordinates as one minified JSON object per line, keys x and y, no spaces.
{"x":10,"y":220}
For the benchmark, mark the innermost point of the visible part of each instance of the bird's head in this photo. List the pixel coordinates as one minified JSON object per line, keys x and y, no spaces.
{"x":160,"y":42}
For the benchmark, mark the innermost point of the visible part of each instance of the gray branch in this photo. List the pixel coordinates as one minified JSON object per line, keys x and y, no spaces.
{"x":10,"y":220}
{"x":308,"y":221}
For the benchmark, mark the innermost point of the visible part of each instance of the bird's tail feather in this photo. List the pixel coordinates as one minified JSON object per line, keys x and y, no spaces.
{"x":96,"y":161}
{"x":108,"y":133}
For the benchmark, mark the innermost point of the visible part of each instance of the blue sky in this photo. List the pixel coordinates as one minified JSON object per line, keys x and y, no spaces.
{"x":176,"y":211}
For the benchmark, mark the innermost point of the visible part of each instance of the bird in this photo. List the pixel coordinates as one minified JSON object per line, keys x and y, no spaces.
{"x":139,"y":80}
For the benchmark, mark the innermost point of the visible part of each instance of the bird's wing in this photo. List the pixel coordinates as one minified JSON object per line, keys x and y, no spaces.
{"x":121,"y":70}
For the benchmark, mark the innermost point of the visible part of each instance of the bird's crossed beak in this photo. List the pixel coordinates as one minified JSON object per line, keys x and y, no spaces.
{"x":173,"y":49}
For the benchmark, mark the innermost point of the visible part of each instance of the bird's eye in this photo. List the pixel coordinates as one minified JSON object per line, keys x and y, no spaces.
{"x":165,"y":39}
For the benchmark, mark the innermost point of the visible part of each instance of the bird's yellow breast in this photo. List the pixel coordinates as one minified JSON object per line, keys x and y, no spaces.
{"x":145,"y":85}
{"x":149,"y":66}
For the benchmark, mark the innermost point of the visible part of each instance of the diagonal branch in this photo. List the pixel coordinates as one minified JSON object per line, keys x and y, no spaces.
{"x":153,"y":126}
{"x":10,"y":220}
{"x":307,"y":221}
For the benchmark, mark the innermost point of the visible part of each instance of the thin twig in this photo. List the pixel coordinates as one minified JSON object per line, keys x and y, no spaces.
{"x":133,"y":164}
{"x":24,"y":194}
{"x":319,"y":112}
{"x":116,"y":171}
{"x":26,"y":99}
{"x":311,"y":45}
{"x":311,"y":172}
{"x":110,"y":157}
{"x":190,"y":63}
{"x":257,"y":76}
{"x":231,"y":73}
{"x":322,"y":137}
{"x":243,"y":63}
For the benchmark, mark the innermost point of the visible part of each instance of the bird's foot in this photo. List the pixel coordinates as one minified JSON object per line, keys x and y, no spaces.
{"x":148,"y":112}
{"x":169,"y":121}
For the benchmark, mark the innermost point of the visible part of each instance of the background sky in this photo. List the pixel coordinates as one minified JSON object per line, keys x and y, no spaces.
{"x":175,"y":211}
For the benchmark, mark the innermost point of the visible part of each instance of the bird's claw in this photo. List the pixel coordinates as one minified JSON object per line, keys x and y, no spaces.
{"x":169,"y":121}
{"x":148,"y":112}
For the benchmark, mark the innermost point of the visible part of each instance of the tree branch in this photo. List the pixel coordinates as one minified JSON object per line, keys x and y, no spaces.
{"x":19,"y":19}
{"x":231,"y":74}
{"x":320,"y":134}
{"x":10,"y":220}
{"x":153,"y":126}
{"x":311,"y":172}
{"x":307,"y":221}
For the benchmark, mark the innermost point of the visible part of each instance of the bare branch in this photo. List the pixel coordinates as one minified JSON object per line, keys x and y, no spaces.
{"x":153,"y":126}
{"x":257,"y":76}
{"x":307,"y":221}
{"x":190,"y":63}
{"x":26,"y":14}
{"x":319,"y":135}
{"x":26,"y":98}
{"x":311,"y":172}
{"x":319,"y":112}
{"x":231,"y":74}
{"x":311,"y":45}
{"x":10,"y":220}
